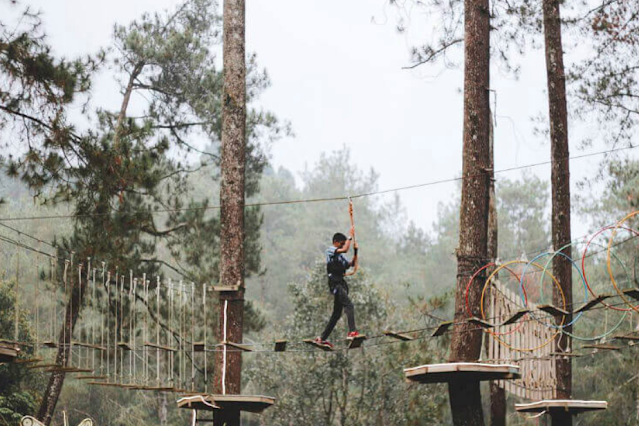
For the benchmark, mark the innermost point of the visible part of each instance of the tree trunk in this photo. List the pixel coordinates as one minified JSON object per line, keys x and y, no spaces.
{"x":56,"y":381}
{"x":497,"y":393}
{"x":465,"y":398}
{"x":229,"y":363}
{"x":560,"y":181}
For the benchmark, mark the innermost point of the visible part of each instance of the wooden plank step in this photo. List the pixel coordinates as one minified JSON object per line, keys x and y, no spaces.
{"x":199,"y":347}
{"x":480,"y":322}
{"x":629,"y":337}
{"x":221,"y":289}
{"x":124,"y":345}
{"x":603,"y":347}
{"x":592,"y":303}
{"x":565,"y":354}
{"x":35,"y":367}
{"x":91,"y":377}
{"x":280,"y":345}
{"x":27,"y":360}
{"x":68,"y":370}
{"x":553,"y":310}
{"x":516,"y":317}
{"x":399,"y":336}
{"x":632,"y":292}
{"x":50,"y":344}
{"x":356,"y":342}
{"x":239,"y":346}
{"x":161,"y":347}
{"x":89,"y":345}
{"x":442,"y":328}
{"x":317,"y":345}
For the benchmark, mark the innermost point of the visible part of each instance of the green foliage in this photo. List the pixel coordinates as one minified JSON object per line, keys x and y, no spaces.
{"x":20,"y":390}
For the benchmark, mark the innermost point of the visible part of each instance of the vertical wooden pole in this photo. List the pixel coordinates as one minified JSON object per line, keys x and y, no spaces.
{"x":560,"y":181}
{"x":465,"y":398}
{"x":229,"y":363}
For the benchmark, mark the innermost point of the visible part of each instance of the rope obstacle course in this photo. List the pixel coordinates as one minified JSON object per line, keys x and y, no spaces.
{"x":151,"y":335}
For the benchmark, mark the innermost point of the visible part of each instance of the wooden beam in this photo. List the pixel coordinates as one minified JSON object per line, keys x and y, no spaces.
{"x":400,"y":336}
{"x":199,"y":347}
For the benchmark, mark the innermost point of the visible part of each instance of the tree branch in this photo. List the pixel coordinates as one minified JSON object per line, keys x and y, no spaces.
{"x":434,"y":54}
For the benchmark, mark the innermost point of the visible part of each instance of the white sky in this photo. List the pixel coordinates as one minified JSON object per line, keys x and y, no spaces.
{"x":336,"y":74}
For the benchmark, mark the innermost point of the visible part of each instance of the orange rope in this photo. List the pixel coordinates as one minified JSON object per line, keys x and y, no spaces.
{"x":350,"y":212}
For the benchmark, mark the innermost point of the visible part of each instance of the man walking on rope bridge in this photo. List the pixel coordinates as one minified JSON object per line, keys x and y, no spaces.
{"x":336,"y":267}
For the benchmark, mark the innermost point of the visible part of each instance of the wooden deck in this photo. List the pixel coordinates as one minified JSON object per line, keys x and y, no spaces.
{"x":250,"y":403}
{"x":573,"y":406}
{"x":8,"y":353}
{"x":461,"y":371}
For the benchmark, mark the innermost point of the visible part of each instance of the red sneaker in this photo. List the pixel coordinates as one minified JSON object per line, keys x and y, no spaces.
{"x":353,"y":334}
{"x":321,"y":342}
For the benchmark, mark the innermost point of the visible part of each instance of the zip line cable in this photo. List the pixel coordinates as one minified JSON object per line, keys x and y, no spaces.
{"x":320,"y":200}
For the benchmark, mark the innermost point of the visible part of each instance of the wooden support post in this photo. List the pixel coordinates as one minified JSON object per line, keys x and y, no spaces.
{"x":232,"y":192}
{"x":560,"y":186}
{"x":466,"y":341}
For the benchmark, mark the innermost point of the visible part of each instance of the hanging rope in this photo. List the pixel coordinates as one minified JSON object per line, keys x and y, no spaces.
{"x":350,"y":212}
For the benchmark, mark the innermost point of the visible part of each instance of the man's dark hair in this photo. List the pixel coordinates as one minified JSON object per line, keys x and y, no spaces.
{"x":339,"y":237}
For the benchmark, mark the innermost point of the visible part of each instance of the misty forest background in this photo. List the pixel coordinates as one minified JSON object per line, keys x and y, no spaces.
{"x":65,"y":155}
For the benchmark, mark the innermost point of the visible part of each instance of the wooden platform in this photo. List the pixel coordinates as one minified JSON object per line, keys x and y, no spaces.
{"x":461,"y":371}
{"x":573,"y":406}
{"x":250,"y":403}
{"x":8,"y":353}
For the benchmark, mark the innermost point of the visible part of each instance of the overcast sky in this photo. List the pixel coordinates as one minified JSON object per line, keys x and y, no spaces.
{"x":336,"y":71}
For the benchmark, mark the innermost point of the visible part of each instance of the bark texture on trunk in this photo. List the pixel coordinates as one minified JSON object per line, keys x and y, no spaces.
{"x":560,"y":181}
{"x":229,"y":363}
{"x":497,"y":393}
{"x":56,"y":380}
{"x":465,"y":398}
